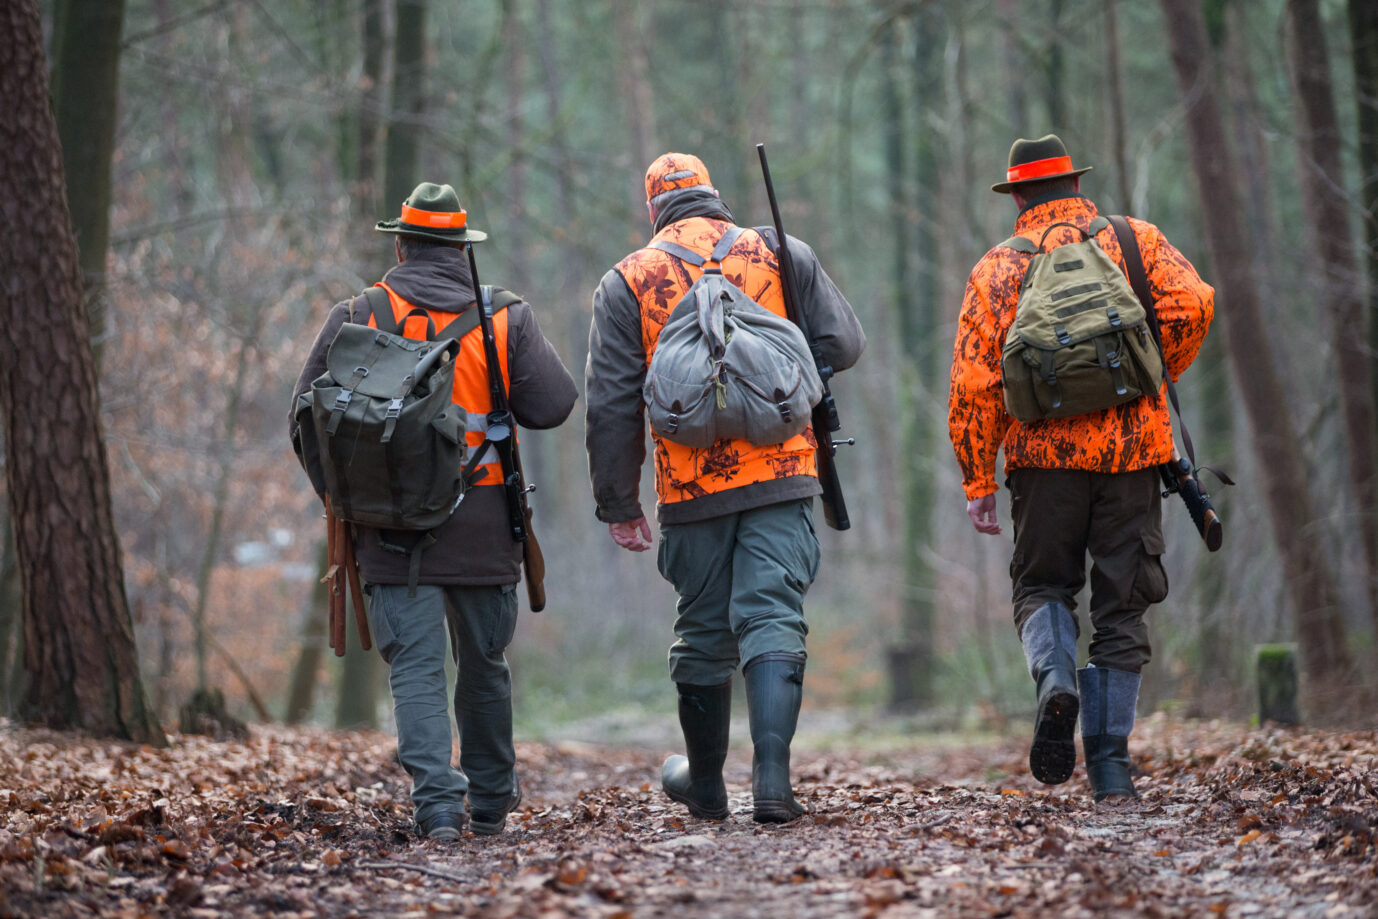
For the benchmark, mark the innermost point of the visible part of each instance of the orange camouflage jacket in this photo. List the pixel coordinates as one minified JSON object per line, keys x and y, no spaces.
{"x":1131,"y":436}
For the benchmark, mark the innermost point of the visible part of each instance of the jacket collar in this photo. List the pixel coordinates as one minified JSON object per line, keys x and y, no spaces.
{"x":693,"y":203}
{"x":434,"y":279}
{"x":1069,"y":206}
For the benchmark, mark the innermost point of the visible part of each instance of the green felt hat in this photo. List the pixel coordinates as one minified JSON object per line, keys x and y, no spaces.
{"x":433,"y":212}
{"x":1036,"y":160}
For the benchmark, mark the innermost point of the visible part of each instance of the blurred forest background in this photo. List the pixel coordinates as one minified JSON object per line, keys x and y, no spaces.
{"x":252,"y":146}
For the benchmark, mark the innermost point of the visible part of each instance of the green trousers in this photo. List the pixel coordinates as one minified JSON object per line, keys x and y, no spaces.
{"x":741,"y":580}
{"x":475,"y":625}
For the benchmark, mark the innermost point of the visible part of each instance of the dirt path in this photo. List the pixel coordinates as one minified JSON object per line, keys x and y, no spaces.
{"x":1231,"y":823}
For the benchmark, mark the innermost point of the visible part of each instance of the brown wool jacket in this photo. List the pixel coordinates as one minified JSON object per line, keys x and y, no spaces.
{"x":615,"y":432}
{"x":473,"y":547}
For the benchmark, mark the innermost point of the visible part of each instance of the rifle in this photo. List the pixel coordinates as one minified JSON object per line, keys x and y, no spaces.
{"x":1178,"y":478}
{"x":501,"y":435}
{"x":1179,"y":475}
{"x":825,"y":420}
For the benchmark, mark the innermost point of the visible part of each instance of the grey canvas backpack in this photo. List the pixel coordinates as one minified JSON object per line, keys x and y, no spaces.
{"x":1080,"y":340}
{"x":725,"y":366}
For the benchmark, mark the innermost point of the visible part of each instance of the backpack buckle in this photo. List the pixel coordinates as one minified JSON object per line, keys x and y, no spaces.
{"x":394,"y":408}
{"x":1113,"y":315}
{"x":671,"y":423}
{"x":342,"y":400}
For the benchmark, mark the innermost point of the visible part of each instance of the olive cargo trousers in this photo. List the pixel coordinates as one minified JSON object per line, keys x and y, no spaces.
{"x":1061,"y":516}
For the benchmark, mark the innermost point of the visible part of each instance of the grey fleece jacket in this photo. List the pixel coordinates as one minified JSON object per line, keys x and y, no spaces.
{"x":615,"y":424}
{"x":474,"y":547}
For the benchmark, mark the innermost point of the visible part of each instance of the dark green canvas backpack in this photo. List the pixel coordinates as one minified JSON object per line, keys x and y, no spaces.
{"x":1080,"y":340}
{"x":379,"y":430}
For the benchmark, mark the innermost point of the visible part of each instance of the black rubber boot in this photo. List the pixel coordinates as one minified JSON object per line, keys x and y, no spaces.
{"x":705,"y":713}
{"x":774,"y":691}
{"x":1050,"y":646}
{"x":1109,"y":698}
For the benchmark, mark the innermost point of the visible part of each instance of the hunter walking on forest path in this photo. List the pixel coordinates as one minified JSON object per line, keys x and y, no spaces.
{"x":736,"y":516}
{"x":1082,"y":463}
{"x":462,"y":571}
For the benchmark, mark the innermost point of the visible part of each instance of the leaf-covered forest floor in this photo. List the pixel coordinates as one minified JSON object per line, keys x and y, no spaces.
{"x":1232,"y":822}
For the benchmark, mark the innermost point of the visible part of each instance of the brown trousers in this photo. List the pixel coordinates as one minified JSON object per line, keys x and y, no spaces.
{"x":1061,"y":515}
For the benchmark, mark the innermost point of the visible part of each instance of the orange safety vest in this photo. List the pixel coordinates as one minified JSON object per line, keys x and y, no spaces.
{"x":658,"y":280}
{"x":471,"y":389}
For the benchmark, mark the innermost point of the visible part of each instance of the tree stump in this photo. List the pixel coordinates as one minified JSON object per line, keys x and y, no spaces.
{"x":1277,"y":684}
{"x":205,"y":713}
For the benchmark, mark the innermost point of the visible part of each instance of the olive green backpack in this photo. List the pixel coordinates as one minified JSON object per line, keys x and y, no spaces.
{"x":379,"y":430}
{"x":1080,"y":341}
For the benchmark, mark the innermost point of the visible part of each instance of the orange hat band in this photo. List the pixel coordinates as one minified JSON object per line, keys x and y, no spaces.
{"x":1056,"y":165}
{"x":435,"y":219}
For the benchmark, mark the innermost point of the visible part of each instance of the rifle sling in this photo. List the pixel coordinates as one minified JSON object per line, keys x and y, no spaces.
{"x":1138,"y":279}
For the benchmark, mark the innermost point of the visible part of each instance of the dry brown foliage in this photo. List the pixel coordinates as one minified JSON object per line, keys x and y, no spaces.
{"x":1232,"y":822}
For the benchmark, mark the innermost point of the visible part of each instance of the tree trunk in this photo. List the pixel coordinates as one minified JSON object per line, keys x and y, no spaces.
{"x":514,"y":210}
{"x":11,"y":620}
{"x":1363,"y":27}
{"x":911,"y":660}
{"x":1307,"y":569}
{"x":79,"y":652}
{"x":85,"y":95}
{"x":211,"y":551}
{"x":634,"y":77}
{"x":1340,"y":278}
{"x":1015,"y":60}
{"x":364,"y":190}
{"x":301,"y":695}
{"x":403,"y":148}
{"x":1055,"y":71}
{"x":1119,"y":144}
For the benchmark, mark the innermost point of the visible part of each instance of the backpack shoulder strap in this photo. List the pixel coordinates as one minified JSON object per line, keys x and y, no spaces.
{"x":498,"y":299}
{"x":1020,"y":244}
{"x":725,"y":244}
{"x":1138,"y":279}
{"x":678,"y":251}
{"x":380,"y":306}
{"x":720,"y":250}
{"x":1134,"y":269}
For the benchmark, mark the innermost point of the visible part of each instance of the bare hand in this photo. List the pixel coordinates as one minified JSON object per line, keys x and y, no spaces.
{"x":982,"y":513}
{"x":632,"y":535}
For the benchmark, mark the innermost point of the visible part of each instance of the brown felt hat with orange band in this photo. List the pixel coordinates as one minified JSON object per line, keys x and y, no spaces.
{"x":1036,"y":160}
{"x":433,"y":212}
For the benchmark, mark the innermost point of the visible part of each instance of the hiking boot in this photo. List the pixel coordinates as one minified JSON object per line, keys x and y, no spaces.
{"x":1109,"y":698}
{"x":1049,"y":637}
{"x":443,"y":826}
{"x":705,"y":713}
{"x":485,"y":822}
{"x":774,"y":691}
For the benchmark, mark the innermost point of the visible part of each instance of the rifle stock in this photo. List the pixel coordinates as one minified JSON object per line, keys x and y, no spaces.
{"x":1178,"y":478}
{"x":824,"y":418}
